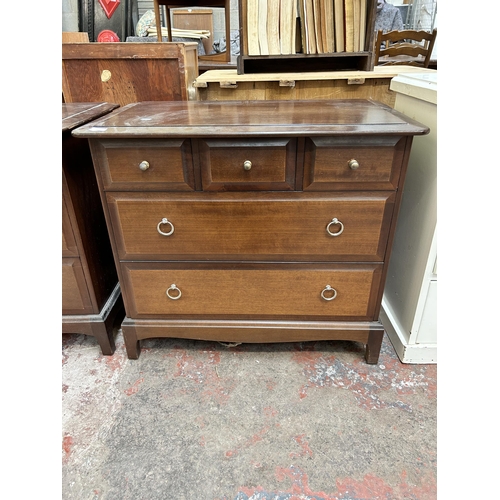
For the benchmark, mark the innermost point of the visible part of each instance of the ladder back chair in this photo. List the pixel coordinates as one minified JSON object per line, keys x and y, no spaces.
{"x":408,"y":47}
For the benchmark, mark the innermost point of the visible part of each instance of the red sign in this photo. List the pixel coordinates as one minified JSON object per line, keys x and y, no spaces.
{"x":107,"y":36}
{"x":109,"y":6}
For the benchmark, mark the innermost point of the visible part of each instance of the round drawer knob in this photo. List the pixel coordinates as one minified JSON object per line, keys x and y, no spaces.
{"x":335,"y":222}
{"x":144,"y":165}
{"x":353,"y":164}
{"x":247,"y":164}
{"x":162,"y":222}
{"x":173,"y":292}
{"x":328,"y":293}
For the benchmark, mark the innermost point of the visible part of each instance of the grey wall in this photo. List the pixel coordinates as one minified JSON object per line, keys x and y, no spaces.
{"x":69,"y":15}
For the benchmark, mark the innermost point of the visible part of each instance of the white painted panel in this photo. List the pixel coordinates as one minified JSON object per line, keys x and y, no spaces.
{"x":427,"y":332}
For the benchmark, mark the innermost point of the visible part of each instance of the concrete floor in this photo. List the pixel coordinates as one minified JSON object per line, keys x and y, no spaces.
{"x":206,"y":421}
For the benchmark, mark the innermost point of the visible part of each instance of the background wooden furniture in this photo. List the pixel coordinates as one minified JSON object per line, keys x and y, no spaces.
{"x":91,"y":300}
{"x":224,"y":85}
{"x":204,"y":65}
{"x":404,"y":48}
{"x":409,"y":306}
{"x":252,"y":221}
{"x":168,"y":4}
{"x":128,"y":72}
{"x":361,"y":60}
{"x":75,"y":37}
{"x":190,"y":19}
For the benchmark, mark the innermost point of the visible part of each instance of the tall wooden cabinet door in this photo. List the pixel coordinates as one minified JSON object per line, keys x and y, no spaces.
{"x":75,"y":293}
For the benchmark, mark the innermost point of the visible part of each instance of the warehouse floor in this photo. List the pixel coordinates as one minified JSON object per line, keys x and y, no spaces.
{"x":200,"y":420}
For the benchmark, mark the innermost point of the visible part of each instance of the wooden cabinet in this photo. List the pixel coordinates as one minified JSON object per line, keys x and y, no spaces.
{"x":125,"y":72}
{"x":264,"y":221}
{"x":91,"y":299}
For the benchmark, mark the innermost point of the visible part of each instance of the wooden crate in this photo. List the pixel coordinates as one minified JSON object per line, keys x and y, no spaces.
{"x":360,"y":60}
{"x":129,"y":72}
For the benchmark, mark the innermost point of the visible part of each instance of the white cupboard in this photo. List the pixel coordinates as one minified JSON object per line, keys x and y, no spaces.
{"x":409,"y":305}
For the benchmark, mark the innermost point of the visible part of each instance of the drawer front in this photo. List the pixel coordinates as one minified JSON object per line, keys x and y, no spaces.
{"x":246,"y":226}
{"x":149,"y":165}
{"x":253,"y":164}
{"x":75,"y":294}
{"x":350,"y":164}
{"x":272,"y":291}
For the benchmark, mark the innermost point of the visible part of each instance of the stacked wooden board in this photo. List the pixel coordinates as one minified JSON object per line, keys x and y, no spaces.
{"x":181,"y":33}
{"x":284,"y":29}
{"x":271,"y":26}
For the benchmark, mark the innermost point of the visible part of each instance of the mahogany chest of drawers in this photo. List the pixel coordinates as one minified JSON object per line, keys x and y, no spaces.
{"x":91,"y":299}
{"x":252,"y":221}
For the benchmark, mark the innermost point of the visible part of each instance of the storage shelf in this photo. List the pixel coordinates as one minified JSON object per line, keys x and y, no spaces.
{"x":302,"y":62}
{"x":341,"y":61}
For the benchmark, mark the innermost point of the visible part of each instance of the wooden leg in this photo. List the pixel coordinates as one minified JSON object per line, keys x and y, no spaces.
{"x":104,"y":330}
{"x":227,"y":12}
{"x":373,"y":346}
{"x":104,"y":337}
{"x":158,"y":22}
{"x":132,"y":345}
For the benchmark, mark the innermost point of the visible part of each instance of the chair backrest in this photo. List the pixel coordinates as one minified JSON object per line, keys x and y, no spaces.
{"x":408,"y":47}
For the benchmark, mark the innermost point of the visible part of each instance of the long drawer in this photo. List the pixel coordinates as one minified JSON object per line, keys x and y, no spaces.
{"x":251,"y":226}
{"x":274,"y":291}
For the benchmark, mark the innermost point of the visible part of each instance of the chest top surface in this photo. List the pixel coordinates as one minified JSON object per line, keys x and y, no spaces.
{"x":258,"y":118}
{"x":78,"y":113}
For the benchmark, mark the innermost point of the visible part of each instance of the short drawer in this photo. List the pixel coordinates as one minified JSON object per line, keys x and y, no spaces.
{"x":251,"y":226}
{"x":332,"y":163}
{"x":272,"y":291}
{"x":150,"y":165}
{"x":253,"y":164}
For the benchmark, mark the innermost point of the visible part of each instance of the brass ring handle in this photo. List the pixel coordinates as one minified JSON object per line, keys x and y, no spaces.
{"x":144,"y":165}
{"x":165,"y":221}
{"x":328,"y":289}
{"x":174,"y":288}
{"x":335,"y":222}
{"x":247,"y":164}
{"x":353,"y":164}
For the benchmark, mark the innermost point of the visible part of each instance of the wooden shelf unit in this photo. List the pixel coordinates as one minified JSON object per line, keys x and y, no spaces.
{"x":301,"y":62}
